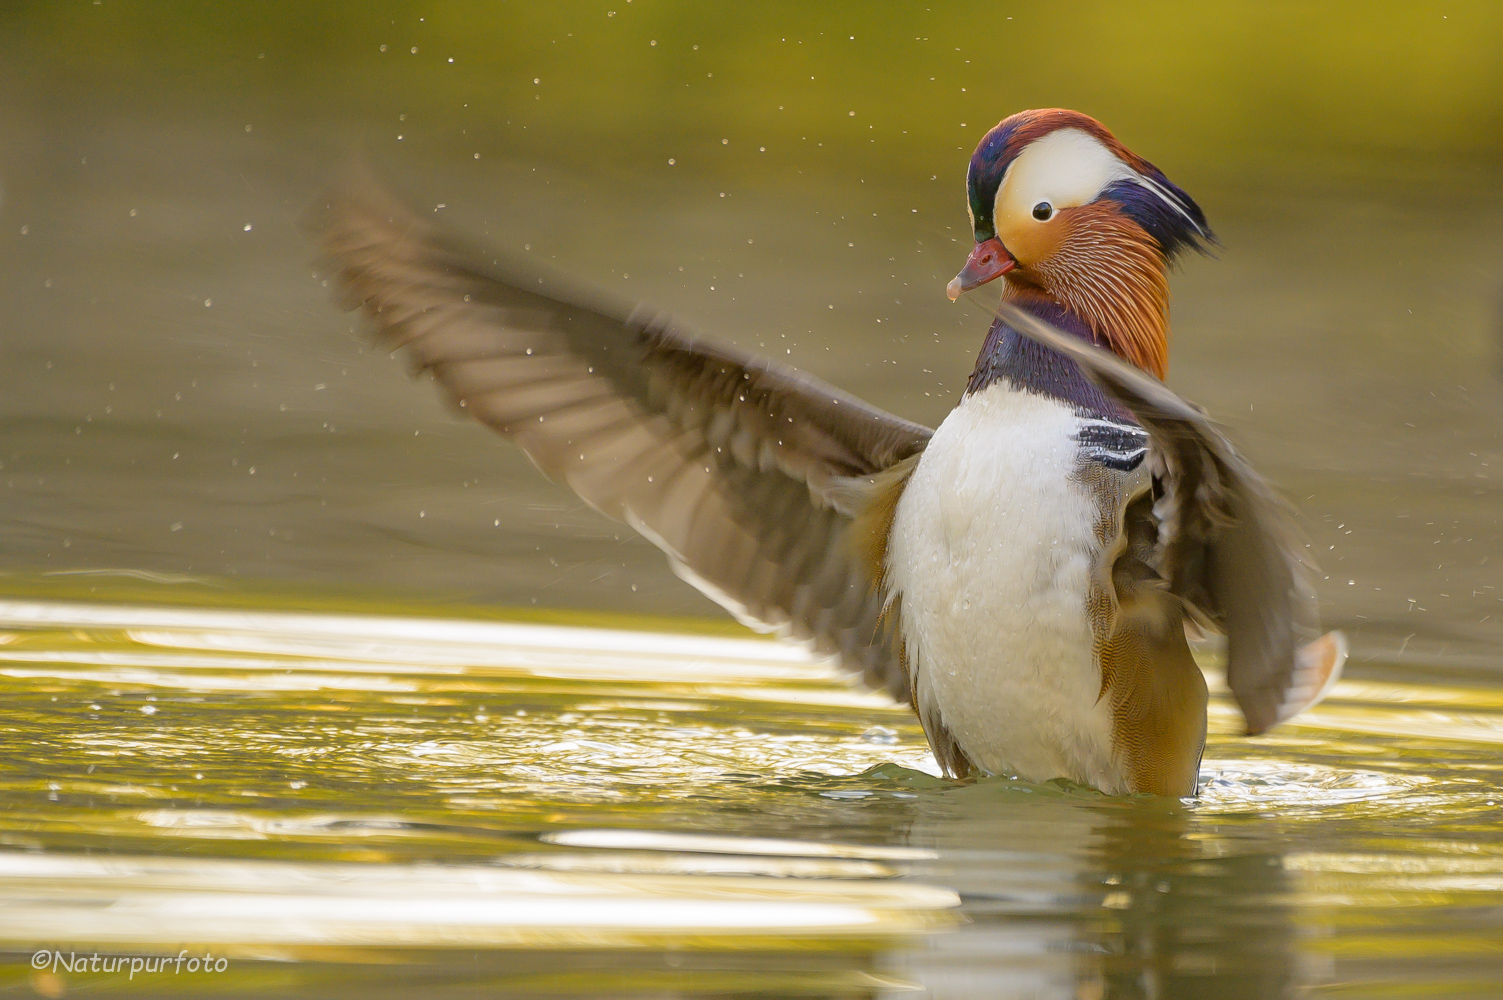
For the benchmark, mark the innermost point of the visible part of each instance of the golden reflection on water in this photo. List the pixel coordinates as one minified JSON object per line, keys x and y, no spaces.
{"x":338,"y":788}
{"x":232,"y":906}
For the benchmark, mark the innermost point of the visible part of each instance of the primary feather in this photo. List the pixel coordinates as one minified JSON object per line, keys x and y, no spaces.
{"x":749,"y":474}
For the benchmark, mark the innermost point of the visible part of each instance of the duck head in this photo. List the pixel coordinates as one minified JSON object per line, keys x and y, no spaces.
{"x":1066,"y":212}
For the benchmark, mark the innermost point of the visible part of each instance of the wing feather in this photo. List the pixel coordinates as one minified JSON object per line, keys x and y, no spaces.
{"x":729,"y":463}
{"x":1228,"y":546}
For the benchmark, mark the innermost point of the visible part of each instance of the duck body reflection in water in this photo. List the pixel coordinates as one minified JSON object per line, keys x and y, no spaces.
{"x":1154,"y":907}
{"x":1021,"y":575}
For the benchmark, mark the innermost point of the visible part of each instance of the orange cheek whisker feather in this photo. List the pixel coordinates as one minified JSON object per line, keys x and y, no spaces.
{"x":1110,"y":272}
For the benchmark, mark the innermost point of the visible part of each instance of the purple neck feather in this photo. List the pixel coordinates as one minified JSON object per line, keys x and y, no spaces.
{"x":1007,"y":354}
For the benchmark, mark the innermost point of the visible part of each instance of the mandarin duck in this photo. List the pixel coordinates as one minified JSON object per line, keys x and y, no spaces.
{"x":1023,"y":575}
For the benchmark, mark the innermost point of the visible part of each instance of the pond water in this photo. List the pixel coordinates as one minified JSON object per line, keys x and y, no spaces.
{"x":302,"y":671}
{"x":342,"y":803}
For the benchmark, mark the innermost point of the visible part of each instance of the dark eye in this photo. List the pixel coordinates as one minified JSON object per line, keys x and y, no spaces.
{"x":1043,"y":211}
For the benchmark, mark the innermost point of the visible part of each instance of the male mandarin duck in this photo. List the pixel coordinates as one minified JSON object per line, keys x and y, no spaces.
{"x":1022,"y":575}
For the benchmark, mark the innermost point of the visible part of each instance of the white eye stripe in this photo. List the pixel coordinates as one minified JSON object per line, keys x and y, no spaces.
{"x":1068,"y":168}
{"x":1167,"y":197}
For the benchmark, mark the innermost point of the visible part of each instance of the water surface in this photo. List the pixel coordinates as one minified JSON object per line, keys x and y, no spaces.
{"x":687,"y":815}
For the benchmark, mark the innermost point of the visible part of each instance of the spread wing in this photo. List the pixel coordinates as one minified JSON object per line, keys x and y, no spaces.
{"x":1228,"y":546}
{"x":747,"y":473}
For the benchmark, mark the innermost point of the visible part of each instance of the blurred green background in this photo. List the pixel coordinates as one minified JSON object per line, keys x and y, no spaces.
{"x":1226,"y":89}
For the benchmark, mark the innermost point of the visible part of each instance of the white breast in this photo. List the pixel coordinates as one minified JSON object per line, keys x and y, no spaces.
{"x":992,"y":549}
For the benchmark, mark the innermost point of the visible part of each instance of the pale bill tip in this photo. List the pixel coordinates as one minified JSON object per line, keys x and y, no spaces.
{"x":953,"y":289}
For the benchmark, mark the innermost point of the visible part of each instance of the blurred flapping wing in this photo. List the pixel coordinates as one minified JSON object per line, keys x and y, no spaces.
{"x":740,"y":469}
{"x":1228,"y":546}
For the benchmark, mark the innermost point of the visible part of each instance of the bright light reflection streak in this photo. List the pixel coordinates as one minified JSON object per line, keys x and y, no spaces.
{"x":651,"y":840}
{"x":521,"y":656}
{"x":417,"y":630}
{"x":311,"y":644}
{"x":308,"y":677}
{"x":302,"y":903}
